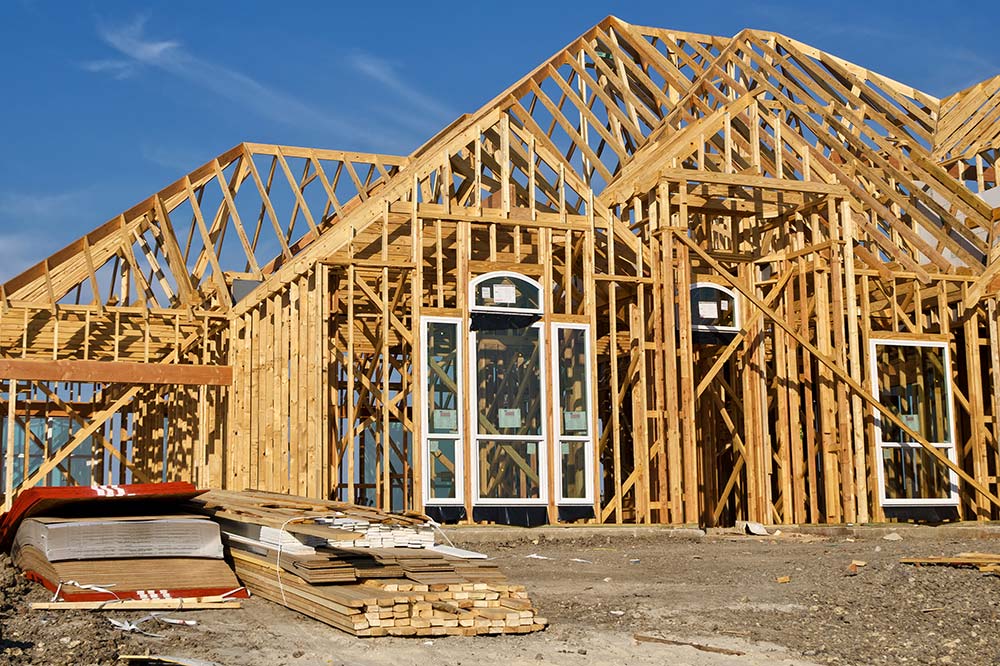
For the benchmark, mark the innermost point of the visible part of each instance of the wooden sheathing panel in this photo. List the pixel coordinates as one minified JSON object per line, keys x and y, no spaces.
{"x":278,"y":393}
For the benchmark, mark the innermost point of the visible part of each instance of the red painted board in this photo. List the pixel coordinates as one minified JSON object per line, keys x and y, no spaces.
{"x":93,"y":595}
{"x":58,"y":500}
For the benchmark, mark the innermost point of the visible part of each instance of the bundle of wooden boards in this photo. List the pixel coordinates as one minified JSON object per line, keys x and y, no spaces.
{"x":366,"y":591}
{"x":270,"y":516}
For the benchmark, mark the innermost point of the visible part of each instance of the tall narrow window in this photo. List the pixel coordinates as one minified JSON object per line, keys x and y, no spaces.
{"x":912,"y":382}
{"x":443,"y":466}
{"x":571,"y":367}
{"x":510,"y":436}
{"x":508,"y":353}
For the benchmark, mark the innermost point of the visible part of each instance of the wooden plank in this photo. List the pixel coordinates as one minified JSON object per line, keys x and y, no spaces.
{"x":120,"y":372}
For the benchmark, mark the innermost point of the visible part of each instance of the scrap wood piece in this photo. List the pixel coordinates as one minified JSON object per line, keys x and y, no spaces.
{"x":163,"y":660}
{"x":195,"y":603}
{"x":642,"y":638}
{"x":961,"y":560}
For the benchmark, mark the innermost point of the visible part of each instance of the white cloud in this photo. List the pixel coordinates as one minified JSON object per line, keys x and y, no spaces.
{"x":170,"y":56}
{"x":384,"y":73}
{"x":35,"y":224}
{"x":18,"y":251}
{"x":119,"y":69}
{"x":25,"y":208}
{"x":173,"y":157}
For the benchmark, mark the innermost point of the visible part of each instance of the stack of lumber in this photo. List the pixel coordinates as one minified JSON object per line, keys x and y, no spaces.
{"x":111,"y":549}
{"x":291,"y":522}
{"x":407,"y":589}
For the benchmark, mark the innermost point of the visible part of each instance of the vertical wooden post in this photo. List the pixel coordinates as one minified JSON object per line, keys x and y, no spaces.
{"x":688,"y":421}
{"x":417,"y":414}
{"x":352,"y":406}
{"x":8,"y":493}
{"x":854,"y":355}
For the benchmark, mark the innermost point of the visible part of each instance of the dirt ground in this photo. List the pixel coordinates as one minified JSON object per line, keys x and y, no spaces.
{"x":599,"y":590}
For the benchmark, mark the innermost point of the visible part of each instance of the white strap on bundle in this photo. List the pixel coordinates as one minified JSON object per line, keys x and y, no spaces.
{"x":82,"y":586}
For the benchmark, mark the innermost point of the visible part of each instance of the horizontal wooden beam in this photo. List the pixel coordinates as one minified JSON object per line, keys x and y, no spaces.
{"x":119,"y":372}
{"x":764,"y":183}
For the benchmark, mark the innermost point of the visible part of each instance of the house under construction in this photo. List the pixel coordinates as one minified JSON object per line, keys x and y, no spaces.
{"x":664,"y":278}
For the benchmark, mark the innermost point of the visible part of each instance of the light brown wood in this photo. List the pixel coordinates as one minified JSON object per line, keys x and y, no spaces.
{"x":839,"y":207}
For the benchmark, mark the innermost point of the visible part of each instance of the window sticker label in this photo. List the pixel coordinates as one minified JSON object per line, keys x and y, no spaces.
{"x":574,"y":421}
{"x":708,"y":309}
{"x":531,"y":448}
{"x":565,"y":448}
{"x":435,"y":446}
{"x":504,"y":294}
{"x":446,"y":419}
{"x":487,"y":292}
{"x":509,"y":418}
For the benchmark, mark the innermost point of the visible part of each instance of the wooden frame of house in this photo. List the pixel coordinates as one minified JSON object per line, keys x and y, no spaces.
{"x":664,"y":278}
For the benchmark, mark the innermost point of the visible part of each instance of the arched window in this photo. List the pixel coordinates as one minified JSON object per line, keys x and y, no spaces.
{"x":504,"y":291}
{"x":714,"y":308}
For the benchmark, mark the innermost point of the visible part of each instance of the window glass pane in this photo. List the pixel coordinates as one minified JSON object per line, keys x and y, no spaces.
{"x":571,"y":346}
{"x":509,"y":469}
{"x":711,"y":306}
{"x":442,"y":377}
{"x":911,"y":382}
{"x":574,"y":469}
{"x":505,"y":291}
{"x":912,"y":473}
{"x":442,"y":468}
{"x":509,"y":386}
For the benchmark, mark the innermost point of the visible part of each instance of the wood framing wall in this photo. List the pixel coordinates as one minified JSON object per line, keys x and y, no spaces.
{"x":258,"y":322}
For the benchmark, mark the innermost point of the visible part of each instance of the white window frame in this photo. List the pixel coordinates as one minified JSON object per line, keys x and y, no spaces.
{"x":426,"y":434}
{"x":541,"y":439}
{"x":558,"y":438}
{"x":736,"y":309}
{"x":950,"y":449}
{"x":474,"y":284}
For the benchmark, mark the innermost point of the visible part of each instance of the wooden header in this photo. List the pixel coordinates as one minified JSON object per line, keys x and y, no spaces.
{"x":120,"y":372}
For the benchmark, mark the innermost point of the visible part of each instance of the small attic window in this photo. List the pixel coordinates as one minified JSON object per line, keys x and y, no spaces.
{"x":714,"y":308}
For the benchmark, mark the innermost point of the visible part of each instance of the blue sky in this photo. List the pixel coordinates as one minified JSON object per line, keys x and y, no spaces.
{"x":106,"y":102}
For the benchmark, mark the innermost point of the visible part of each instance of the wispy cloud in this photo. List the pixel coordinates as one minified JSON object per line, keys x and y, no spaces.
{"x":17,"y":252}
{"x":141,"y":51}
{"x":176,"y":158}
{"x":384,"y":73}
{"x":29,"y":208}
{"x":37,"y":223}
{"x":119,"y":69}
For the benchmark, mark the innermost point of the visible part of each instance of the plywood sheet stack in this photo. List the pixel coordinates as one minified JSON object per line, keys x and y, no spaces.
{"x":403,"y":589}
{"x":117,"y":544}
